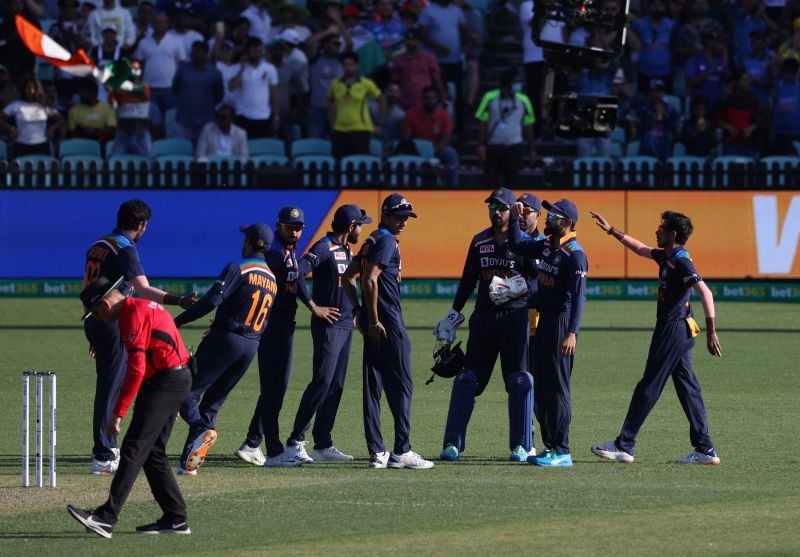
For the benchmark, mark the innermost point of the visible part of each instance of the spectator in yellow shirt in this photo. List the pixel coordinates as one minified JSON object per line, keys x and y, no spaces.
{"x":91,"y":118}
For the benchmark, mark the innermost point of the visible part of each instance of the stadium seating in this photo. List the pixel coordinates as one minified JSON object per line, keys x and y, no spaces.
{"x":678,"y":149}
{"x":36,"y":170}
{"x":406,"y":170}
{"x":81,"y":171}
{"x":779,"y":171}
{"x":266,"y":146}
{"x":732,"y":171}
{"x":376,"y":147}
{"x":169,"y":122}
{"x":674,"y":102}
{"x":162,"y":147}
{"x":425,"y":148}
{"x":226,"y":170}
{"x":129,"y":171}
{"x":685,"y":171}
{"x":70,"y":147}
{"x":318,"y":170}
{"x":311,"y":146}
{"x":640,"y":171}
{"x":280,"y":160}
{"x":172,"y":169}
{"x":3,"y":150}
{"x":358,"y":170}
{"x":593,"y":172}
{"x":632,"y":149}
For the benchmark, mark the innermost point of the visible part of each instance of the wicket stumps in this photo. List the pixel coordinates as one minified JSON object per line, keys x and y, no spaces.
{"x":39,"y":378}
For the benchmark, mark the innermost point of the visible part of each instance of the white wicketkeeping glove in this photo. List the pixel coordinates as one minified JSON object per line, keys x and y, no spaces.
{"x":502,"y":290}
{"x":445,"y":329}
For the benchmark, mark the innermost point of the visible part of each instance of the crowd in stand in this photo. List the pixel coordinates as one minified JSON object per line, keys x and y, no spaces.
{"x":717,"y":76}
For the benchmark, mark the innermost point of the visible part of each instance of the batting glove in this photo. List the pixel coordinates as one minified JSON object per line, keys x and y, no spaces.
{"x":445,"y":329}
{"x":503,"y":290}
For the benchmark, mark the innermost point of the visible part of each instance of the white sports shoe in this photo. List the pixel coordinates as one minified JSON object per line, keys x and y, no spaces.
{"x":409,"y":460}
{"x":696,"y":457}
{"x":284,"y":460}
{"x":298,"y":450}
{"x":116,"y":453}
{"x":331,"y":454}
{"x":610,"y":451}
{"x":379,"y":460}
{"x":253,"y":455}
{"x":103,"y":467}
{"x":184,"y":472}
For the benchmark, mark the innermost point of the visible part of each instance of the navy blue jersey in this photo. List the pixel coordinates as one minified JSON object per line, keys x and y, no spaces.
{"x":113,"y":256}
{"x":530,"y":265}
{"x":243,"y":294}
{"x":487,"y":259}
{"x":677,"y":275}
{"x":382,"y":248}
{"x":561,"y":277}
{"x":282,"y":261}
{"x":328,"y":260}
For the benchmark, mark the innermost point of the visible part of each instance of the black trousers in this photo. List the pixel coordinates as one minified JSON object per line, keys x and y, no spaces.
{"x":345,"y":144}
{"x":145,"y":445}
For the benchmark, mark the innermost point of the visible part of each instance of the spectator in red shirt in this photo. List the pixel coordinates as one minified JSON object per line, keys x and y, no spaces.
{"x":158,"y":371}
{"x":415,"y":69}
{"x":429,"y":121}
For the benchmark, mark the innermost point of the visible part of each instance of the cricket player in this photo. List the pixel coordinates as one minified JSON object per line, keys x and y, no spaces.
{"x":560,"y":298}
{"x":328,"y":259}
{"x":243,"y":296}
{"x":387,"y":348}
{"x":498,"y":325}
{"x":673,"y":340}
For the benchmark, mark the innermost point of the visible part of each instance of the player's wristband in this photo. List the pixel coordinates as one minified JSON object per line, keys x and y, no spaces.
{"x":171,"y":300}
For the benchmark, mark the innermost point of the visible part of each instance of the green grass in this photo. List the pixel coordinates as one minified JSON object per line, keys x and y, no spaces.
{"x":748,"y":506}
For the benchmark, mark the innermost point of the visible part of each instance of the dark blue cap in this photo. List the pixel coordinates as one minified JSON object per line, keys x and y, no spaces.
{"x":291,"y":215}
{"x":502,"y":195}
{"x":398,"y":205}
{"x":349,"y":214}
{"x":563,"y":208}
{"x":259,"y":231}
{"x":530,"y":200}
{"x":96,"y":291}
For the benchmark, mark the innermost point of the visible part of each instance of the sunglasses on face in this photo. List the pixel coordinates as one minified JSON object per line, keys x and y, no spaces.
{"x":293,"y":227}
{"x":499,"y":207}
{"x":555,"y":216}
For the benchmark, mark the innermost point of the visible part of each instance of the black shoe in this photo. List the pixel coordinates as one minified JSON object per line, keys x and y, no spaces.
{"x":88,"y":519}
{"x":164,"y":526}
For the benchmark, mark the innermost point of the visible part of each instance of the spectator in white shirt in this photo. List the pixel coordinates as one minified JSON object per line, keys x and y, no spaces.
{"x":222,"y":137}
{"x":292,"y":82}
{"x":183,"y":31}
{"x":256,"y":91}
{"x":260,"y":20}
{"x":30,"y":115}
{"x":111,"y":13}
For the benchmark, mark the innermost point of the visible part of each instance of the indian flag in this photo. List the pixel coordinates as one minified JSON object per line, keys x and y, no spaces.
{"x":44,"y":47}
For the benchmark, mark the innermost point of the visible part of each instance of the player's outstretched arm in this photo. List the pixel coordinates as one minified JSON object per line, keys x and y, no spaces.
{"x":707,"y":299}
{"x":143,"y":288}
{"x":629,"y":242}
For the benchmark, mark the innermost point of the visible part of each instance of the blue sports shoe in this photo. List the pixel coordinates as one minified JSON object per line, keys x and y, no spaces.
{"x":552,"y":459}
{"x":519,"y":454}
{"x":449,"y":453}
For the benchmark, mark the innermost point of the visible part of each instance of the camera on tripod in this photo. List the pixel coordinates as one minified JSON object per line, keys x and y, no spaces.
{"x":571,"y":114}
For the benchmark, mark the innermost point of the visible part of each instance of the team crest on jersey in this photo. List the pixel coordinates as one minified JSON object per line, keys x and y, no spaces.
{"x":556,"y":260}
{"x":291,"y":276}
{"x":664,"y":273}
{"x":487,"y":248}
{"x":510,"y":254}
{"x":342,"y":268}
{"x":340,"y":255}
{"x":546,"y":252}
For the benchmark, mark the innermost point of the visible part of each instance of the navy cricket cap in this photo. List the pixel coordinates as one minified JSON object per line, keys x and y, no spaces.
{"x":259,"y":231}
{"x":350,"y":214}
{"x":563,"y":208}
{"x":291,"y":215}
{"x":502,"y":195}
{"x":398,"y":206}
{"x":530,"y":200}
{"x":96,"y":291}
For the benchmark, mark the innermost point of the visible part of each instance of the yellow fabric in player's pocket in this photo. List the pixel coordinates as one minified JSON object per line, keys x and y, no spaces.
{"x":692,"y":326}
{"x":533,"y":318}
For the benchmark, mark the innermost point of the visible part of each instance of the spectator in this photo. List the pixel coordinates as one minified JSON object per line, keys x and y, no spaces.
{"x":144,"y":20}
{"x":256,"y":91}
{"x":431,"y":122}
{"x":91,"y":118}
{"x":595,"y":81}
{"x":351,"y":124}
{"x":414,"y":70}
{"x":65,"y":32}
{"x":290,"y":17}
{"x":160,"y":54}
{"x":110,"y":13}
{"x":689,"y":38}
{"x":505,"y":115}
{"x":759,"y":66}
{"x":292,"y":82}
{"x":740,"y":118}
{"x":749,"y":16}
{"x":104,"y":54}
{"x":56,"y":122}
{"x":14,"y":55}
{"x":699,"y":134}
{"x":652,"y":38}
{"x":360,"y":34}
{"x":656,"y":122}
{"x":8,"y":91}
{"x":26,"y":121}
{"x":392,"y":129}
{"x":227,"y":69}
{"x":789,"y":48}
{"x":442,"y":26}
{"x":133,"y":117}
{"x":229,"y":10}
{"x":85,"y":10}
{"x":388,"y":28}
{"x":183,"y":31}
{"x":260,"y":21}
{"x":786,"y":109}
{"x":222,"y":137}
{"x":472,"y":50}
{"x":323,"y":70}
{"x":705,"y":72}
{"x":198,"y":89}
{"x":239,"y":35}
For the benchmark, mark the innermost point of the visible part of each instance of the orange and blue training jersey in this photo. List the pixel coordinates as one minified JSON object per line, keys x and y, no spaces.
{"x":113,"y":256}
{"x":676,"y":277}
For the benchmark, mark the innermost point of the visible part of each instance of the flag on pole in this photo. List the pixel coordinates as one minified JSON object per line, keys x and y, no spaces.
{"x":117,"y":75}
{"x":77,"y":64}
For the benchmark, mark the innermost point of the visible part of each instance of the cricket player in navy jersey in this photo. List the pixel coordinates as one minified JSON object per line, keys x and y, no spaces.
{"x":243,"y":296}
{"x":113,"y":256}
{"x":328,"y":259}
{"x":560,"y":298}
{"x":387,"y":348}
{"x":673,"y":340}
{"x":498,"y":325}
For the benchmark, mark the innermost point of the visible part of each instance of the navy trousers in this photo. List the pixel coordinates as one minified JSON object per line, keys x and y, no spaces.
{"x":551,"y":377}
{"x":670,"y":356}
{"x":493,"y":332}
{"x":222,"y":359}
{"x":387,"y":366}
{"x":145,"y":446}
{"x":532,"y":363}
{"x":323,"y":393}
{"x":274,"y":368}
{"x":110,"y":361}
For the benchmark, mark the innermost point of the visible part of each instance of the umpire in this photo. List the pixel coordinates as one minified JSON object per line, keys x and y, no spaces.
{"x":157,"y":370}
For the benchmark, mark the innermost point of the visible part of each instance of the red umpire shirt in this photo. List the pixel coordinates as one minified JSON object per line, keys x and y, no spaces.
{"x":148,"y":353}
